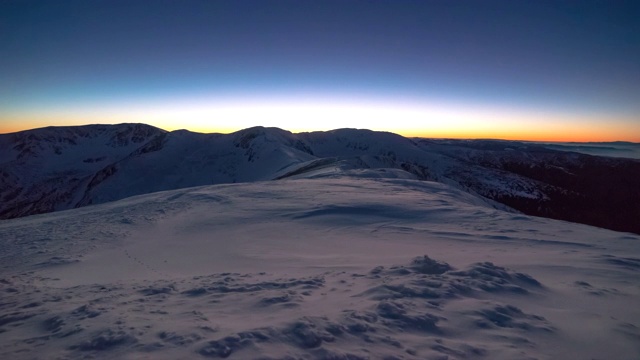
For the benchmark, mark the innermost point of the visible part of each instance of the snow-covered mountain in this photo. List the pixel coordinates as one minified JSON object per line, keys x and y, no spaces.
{"x":622,"y":149}
{"x":53,"y":169}
{"x":347,"y":244}
{"x":48,"y":169}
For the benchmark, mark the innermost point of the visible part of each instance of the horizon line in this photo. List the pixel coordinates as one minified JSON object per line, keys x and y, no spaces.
{"x":399,"y":133}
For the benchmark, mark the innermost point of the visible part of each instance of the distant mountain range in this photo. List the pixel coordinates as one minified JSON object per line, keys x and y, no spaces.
{"x":57,"y":168}
{"x":614,"y":149}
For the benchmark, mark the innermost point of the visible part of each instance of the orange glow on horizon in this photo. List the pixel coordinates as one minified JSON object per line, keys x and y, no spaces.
{"x":568,"y":135}
{"x":408,"y":119}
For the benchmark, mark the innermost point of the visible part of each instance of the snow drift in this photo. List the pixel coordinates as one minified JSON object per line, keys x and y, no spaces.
{"x":353,"y":267}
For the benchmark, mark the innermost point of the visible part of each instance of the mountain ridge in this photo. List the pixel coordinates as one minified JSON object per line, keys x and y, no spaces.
{"x":58,"y":168}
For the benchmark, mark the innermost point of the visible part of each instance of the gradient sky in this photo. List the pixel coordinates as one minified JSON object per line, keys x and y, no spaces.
{"x":532,"y":70}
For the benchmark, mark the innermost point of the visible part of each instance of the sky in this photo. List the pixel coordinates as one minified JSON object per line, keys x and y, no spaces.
{"x":527,"y":70}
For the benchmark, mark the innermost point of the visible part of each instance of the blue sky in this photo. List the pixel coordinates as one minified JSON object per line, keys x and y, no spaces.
{"x":489,"y":68}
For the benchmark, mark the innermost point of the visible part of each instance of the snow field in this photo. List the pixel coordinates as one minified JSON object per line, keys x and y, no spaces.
{"x":351,"y":267}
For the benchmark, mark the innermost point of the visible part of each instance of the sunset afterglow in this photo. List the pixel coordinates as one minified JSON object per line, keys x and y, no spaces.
{"x":408,"y":119}
{"x":505,"y":70}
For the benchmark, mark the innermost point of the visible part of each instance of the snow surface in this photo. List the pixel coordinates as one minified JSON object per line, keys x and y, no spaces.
{"x":373,"y":265}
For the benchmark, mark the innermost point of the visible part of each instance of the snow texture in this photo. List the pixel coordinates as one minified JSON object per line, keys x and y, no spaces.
{"x":370,"y":264}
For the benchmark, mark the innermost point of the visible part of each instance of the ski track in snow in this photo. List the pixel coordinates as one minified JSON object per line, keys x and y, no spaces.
{"x":346,"y":268}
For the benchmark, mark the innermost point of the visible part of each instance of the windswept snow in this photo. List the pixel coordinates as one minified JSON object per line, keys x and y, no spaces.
{"x":364,"y":266}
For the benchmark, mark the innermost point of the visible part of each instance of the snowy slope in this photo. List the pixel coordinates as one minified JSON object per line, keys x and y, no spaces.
{"x":599,"y":191}
{"x":185,"y":159}
{"x":327,"y":268}
{"x":59,"y":168}
{"x":90,"y":169}
{"x":47,"y":169}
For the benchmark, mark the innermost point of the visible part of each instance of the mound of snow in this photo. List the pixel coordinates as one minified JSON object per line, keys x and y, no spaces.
{"x":327,"y":268}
